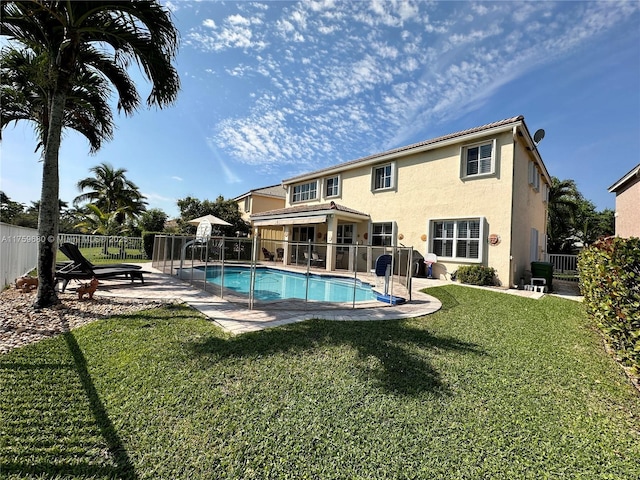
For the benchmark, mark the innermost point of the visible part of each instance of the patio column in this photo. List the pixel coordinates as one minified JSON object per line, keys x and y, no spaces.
{"x":332,"y":229}
{"x":286,"y":256}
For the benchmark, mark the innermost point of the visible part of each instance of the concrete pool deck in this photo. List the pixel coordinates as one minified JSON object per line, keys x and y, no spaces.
{"x":236,"y":318}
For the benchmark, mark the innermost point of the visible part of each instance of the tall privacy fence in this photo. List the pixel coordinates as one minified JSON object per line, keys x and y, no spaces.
{"x":19,"y":249}
{"x":18,"y":252}
{"x":234,"y":268}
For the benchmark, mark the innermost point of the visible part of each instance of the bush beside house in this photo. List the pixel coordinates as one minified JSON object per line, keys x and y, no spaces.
{"x":610,"y":282}
{"x":476,"y":275}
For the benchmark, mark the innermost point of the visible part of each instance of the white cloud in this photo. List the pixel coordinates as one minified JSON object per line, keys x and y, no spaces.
{"x":379,"y":71}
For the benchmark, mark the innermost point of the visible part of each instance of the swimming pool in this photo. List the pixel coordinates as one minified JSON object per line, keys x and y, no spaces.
{"x":274,"y":284}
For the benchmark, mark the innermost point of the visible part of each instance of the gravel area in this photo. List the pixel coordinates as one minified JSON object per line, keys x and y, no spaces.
{"x":21,"y":324}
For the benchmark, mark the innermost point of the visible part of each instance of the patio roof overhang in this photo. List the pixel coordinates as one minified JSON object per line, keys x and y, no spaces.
{"x":291,"y":221}
{"x":305,"y":215}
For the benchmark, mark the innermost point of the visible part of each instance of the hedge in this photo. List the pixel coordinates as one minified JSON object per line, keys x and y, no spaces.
{"x":610,"y":283}
{"x":476,"y":275}
{"x":147,"y":242}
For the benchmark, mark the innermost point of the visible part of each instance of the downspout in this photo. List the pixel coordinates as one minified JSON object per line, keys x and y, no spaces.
{"x":513,"y":199}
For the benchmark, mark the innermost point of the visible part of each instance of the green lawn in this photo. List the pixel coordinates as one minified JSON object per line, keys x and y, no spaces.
{"x":493,"y":386}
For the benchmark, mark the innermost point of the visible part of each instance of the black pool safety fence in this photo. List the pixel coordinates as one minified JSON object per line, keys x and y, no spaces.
{"x":276,"y":274}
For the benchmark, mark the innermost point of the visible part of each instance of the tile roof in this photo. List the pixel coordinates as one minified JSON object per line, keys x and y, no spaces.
{"x":488,"y":126}
{"x":271,"y":191}
{"x":308,"y":209}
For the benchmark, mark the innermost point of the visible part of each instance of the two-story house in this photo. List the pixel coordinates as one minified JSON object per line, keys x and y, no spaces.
{"x":477,"y":196}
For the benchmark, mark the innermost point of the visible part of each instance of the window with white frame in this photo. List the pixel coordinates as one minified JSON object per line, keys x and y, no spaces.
{"x":458,"y":239}
{"x":383,"y":176}
{"x":382,"y":234}
{"x":332,"y":186}
{"x":479,"y":159}
{"x":305,"y":191}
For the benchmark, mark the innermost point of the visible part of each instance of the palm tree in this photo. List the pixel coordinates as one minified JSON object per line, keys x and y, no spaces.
{"x":112,"y":192}
{"x":98,"y":222}
{"x":88,"y":36}
{"x":25,"y":84}
{"x":563,"y":206}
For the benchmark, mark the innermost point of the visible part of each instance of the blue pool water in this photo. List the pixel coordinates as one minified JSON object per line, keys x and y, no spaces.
{"x":273,"y":284}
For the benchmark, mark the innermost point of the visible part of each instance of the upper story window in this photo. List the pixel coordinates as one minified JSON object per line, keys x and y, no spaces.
{"x":332,"y":186}
{"x":384,"y":176}
{"x":479,"y":159}
{"x":305,"y":191}
{"x":247,"y":203}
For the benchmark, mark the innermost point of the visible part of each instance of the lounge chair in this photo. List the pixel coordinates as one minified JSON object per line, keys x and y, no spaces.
{"x":74,"y":254}
{"x":267,"y":254}
{"x":82,"y":269}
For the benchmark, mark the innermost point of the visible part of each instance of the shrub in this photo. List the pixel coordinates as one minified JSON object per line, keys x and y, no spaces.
{"x":610,"y":283}
{"x":476,"y":275}
{"x":147,"y":243}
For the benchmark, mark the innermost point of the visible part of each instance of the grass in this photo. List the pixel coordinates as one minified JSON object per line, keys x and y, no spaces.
{"x":492,"y":386}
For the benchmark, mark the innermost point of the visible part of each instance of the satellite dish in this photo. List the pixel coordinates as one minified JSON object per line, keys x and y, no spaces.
{"x":538,"y":136}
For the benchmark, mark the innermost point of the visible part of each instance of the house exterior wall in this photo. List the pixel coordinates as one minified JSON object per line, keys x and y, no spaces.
{"x":261,"y":203}
{"x":628,"y":210}
{"x":430,"y":186}
{"x":529,"y":212}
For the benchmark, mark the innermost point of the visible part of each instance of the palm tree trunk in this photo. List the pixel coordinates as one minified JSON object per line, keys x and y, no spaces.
{"x":49,"y":207}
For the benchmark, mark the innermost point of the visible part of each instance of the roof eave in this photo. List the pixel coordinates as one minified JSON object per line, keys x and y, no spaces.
{"x":635,"y":172}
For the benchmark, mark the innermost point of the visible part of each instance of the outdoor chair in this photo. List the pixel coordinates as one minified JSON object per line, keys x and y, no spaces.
{"x":316,"y":260}
{"x":82,"y":269}
{"x":267,"y":254}
{"x":279,"y":254}
{"x":74,"y":254}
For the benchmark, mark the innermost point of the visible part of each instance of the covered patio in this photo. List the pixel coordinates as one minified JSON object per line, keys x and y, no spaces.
{"x":330,"y":227}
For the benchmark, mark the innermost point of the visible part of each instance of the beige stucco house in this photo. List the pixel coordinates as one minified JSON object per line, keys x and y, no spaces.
{"x":478,"y":196}
{"x":261,"y":200}
{"x":627,"y":191}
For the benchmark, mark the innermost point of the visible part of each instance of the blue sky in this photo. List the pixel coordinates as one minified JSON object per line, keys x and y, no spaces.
{"x":274,"y":89}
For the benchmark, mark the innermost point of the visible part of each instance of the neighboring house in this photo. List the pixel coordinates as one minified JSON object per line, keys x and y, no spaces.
{"x":627,"y":191}
{"x":262,"y":200}
{"x":478,"y":196}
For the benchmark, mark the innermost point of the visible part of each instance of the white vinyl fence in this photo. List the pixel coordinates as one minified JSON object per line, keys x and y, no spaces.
{"x":18,"y":252}
{"x":19,"y":249}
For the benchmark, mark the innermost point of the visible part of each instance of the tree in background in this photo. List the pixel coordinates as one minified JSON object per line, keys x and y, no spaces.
{"x":152,"y":220}
{"x":9,"y":209}
{"x":563,"y":206}
{"x":591,"y":225}
{"x":103,"y":37}
{"x":97,"y":222}
{"x":574,"y":219}
{"x":112,"y":192}
{"x":227,"y":210}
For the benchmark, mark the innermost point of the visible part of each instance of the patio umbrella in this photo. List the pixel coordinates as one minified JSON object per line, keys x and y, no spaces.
{"x":213,"y":220}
